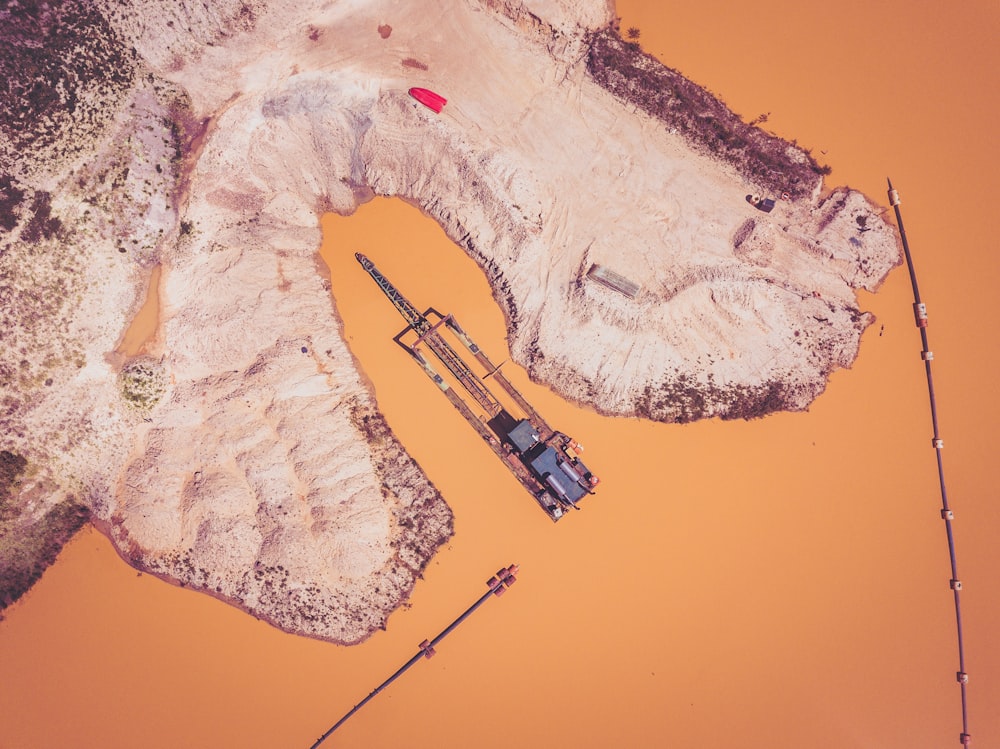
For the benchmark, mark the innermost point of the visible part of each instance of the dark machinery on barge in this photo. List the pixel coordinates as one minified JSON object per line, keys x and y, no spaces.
{"x":545,"y":461}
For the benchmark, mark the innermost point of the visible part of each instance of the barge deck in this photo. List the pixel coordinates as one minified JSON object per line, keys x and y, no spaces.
{"x":545,"y":461}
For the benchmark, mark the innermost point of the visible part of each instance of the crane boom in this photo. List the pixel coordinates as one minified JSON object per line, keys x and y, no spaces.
{"x":416,"y":320}
{"x":428,"y":334}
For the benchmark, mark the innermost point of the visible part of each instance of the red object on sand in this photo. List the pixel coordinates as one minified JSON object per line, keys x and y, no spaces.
{"x":428,"y":98}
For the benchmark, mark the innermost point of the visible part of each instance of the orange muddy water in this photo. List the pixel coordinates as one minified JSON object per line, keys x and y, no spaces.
{"x":776,"y":583}
{"x":143,"y":326}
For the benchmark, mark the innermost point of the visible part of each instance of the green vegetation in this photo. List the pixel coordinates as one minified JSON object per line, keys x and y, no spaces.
{"x":10,"y":198}
{"x":26,"y":547}
{"x":64,"y":69}
{"x":685,"y":400}
{"x":701,"y":118}
{"x":11,"y":468}
{"x":142,"y":383}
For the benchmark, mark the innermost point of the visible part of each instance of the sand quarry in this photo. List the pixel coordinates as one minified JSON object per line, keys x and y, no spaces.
{"x":209,"y":141}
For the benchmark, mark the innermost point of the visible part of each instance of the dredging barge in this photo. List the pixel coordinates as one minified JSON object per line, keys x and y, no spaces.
{"x":546,"y":462}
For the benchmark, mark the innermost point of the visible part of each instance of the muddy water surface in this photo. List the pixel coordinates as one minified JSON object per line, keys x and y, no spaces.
{"x":143,"y":326}
{"x":781,"y":582}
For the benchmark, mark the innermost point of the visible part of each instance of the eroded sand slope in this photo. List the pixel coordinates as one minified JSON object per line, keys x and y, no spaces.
{"x":242,"y":454}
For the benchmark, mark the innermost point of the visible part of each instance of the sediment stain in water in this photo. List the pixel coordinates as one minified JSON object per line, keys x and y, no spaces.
{"x":754,"y":584}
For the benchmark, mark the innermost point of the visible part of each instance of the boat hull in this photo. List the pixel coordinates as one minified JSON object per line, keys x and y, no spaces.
{"x":428,"y":98}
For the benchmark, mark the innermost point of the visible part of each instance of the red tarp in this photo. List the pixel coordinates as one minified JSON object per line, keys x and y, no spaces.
{"x":428,"y":98}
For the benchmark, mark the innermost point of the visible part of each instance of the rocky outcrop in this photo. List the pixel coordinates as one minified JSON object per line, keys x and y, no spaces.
{"x":241,"y":453}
